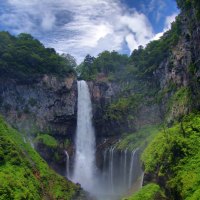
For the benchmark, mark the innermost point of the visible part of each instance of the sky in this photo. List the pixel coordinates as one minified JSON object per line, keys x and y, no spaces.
{"x":81,"y":27}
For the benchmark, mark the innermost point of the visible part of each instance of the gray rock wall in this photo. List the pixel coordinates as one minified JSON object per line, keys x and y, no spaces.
{"x":46,"y":104}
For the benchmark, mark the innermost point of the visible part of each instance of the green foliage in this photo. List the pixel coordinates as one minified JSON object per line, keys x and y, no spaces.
{"x":23,"y":56}
{"x":86,"y":69}
{"x":149,"y":192}
{"x":174,"y":154}
{"x":24,"y":174}
{"x":192,"y":68}
{"x":66,"y":143}
{"x":139,"y":138}
{"x":47,"y":140}
{"x":186,"y":5}
{"x":122,"y":107}
{"x":108,"y":63}
{"x":171,"y":87}
{"x":145,"y":60}
{"x":180,"y":101}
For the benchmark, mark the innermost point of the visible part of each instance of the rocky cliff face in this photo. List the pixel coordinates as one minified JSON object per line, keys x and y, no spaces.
{"x":181,"y":69}
{"x":177,"y":85}
{"x":108,"y":131}
{"x":46,"y":104}
{"x":43,"y":105}
{"x":102,"y":94}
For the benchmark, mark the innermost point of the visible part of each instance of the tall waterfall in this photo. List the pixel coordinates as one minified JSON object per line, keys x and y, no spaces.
{"x":84,"y":166}
{"x":119,"y":169}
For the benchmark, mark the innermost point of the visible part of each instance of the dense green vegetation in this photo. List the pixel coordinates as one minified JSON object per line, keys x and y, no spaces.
{"x":145,"y":60}
{"x":23,"y":56}
{"x":107,"y":63}
{"x":174,"y":156}
{"x":186,"y":5}
{"x":47,"y":140}
{"x":24,"y":174}
{"x":148,"y":192}
{"x":123,"y":106}
{"x":139,"y":138}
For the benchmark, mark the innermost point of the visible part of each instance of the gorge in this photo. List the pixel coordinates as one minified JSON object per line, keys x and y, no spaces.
{"x":114,"y":127}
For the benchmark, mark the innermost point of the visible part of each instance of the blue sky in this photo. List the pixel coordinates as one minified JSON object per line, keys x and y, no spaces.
{"x":79,"y":27}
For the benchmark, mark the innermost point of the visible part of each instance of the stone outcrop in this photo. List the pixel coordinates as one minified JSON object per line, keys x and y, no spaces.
{"x":103,"y":93}
{"x":46,"y":104}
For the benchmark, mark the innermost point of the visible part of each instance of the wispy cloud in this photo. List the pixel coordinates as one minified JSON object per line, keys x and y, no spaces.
{"x":167,"y":26}
{"x":79,"y":27}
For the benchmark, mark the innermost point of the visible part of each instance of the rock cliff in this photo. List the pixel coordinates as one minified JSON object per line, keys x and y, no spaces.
{"x":44,"y":104}
{"x":41,"y":105}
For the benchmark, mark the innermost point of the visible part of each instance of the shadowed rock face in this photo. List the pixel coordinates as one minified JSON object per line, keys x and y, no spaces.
{"x":103,"y":93}
{"x":174,"y":70}
{"x":45,"y":104}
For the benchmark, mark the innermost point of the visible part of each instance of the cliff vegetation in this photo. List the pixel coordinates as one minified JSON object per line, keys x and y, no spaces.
{"x":24,"y":174}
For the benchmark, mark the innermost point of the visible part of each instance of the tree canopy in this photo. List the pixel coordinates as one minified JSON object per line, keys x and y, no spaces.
{"x":23,"y":56}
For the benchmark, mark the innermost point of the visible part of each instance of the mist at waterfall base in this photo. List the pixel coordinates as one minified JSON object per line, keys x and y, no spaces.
{"x":119,"y":170}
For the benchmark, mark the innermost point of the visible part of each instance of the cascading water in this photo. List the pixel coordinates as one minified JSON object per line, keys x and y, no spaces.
{"x":84,"y":165}
{"x":67,"y":165}
{"x":112,"y":168}
{"x":131,"y":168}
{"x":125,"y":166}
{"x":120,"y":169}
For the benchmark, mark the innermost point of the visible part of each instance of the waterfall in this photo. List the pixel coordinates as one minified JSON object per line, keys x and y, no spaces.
{"x":125,"y":165}
{"x":67,"y":165}
{"x":24,"y":140}
{"x":120,"y":169}
{"x":131,"y":168}
{"x":104,"y":164}
{"x":112,"y":168}
{"x":84,"y":165}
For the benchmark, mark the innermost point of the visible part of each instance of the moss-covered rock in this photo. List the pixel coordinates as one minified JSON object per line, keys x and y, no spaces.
{"x":47,"y":140}
{"x":139,"y":138}
{"x":149,"y":192}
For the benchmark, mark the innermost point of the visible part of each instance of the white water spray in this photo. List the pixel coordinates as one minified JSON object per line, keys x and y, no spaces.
{"x":67,"y":165}
{"x":131,"y":168}
{"x":112,"y":168}
{"x":125,"y":165}
{"x":84,"y":166}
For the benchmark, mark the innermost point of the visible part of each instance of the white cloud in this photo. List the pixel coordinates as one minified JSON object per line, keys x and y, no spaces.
{"x":91,"y":27}
{"x":95,"y":25}
{"x":48,"y":21}
{"x":168,"y":22}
